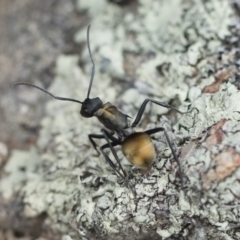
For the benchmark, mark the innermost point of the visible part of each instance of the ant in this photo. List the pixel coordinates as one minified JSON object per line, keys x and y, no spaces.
{"x":137,"y":147}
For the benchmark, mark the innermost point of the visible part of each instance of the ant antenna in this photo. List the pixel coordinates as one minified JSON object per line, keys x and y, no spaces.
{"x":58,"y":98}
{"x":93,"y":65}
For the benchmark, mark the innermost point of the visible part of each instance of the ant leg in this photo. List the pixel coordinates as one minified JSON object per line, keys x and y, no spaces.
{"x":107,"y":137}
{"x":155,"y":130}
{"x":99,"y":136}
{"x":143,"y":106}
{"x":112,"y":165}
{"x":124,"y":178}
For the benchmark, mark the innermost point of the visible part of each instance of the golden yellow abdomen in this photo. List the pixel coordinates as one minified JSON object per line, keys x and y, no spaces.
{"x":139,"y":150}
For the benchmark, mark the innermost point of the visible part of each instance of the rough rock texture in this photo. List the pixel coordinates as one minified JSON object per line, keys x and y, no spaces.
{"x":171,"y":51}
{"x":32,"y":35}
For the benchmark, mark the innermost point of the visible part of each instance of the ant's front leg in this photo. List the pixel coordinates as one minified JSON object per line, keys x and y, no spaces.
{"x":99,"y":136}
{"x":143,"y":106}
{"x":107,"y":135}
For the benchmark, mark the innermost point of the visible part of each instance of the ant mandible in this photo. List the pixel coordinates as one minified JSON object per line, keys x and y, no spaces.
{"x":137,"y":147}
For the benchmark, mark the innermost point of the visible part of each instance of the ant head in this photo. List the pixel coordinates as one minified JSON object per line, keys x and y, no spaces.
{"x":90,"y":106}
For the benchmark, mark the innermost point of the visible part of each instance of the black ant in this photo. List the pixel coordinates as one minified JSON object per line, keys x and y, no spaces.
{"x":137,"y":147}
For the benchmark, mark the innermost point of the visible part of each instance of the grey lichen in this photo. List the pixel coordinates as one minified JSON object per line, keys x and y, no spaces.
{"x":77,"y":189}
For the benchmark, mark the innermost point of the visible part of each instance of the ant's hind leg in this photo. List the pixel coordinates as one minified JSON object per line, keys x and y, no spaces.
{"x":114,"y":141}
{"x":144,"y":104}
{"x":109,"y":161}
{"x":159,"y":129}
{"x":123,"y":177}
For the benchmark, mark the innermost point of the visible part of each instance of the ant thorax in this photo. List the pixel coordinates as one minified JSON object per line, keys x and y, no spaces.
{"x":112,"y":118}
